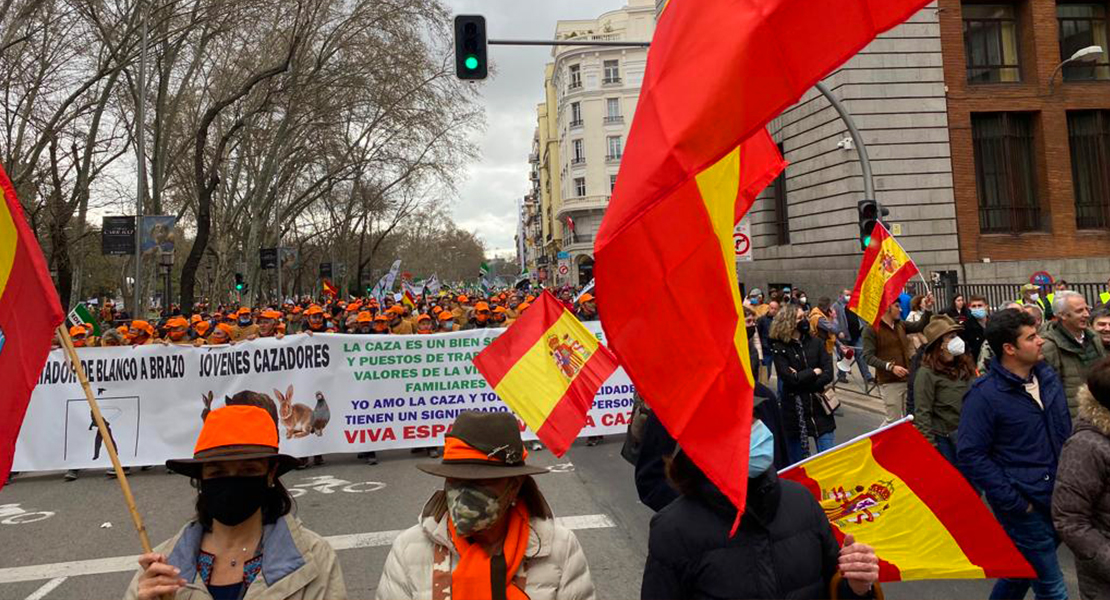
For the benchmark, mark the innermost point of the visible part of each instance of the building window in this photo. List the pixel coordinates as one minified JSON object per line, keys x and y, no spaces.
{"x":612,"y":72}
{"x":613,"y":143}
{"x":991,"y":43}
{"x":613,"y":110}
{"x":781,"y":215}
{"x":575,"y":77}
{"x":1083,"y":25}
{"x":1089,"y":133}
{"x":612,"y":183}
{"x":575,"y":114}
{"x":578,"y":153}
{"x":579,"y":186}
{"x":1004,"y":172}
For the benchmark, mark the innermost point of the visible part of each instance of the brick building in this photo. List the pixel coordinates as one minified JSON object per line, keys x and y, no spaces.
{"x":992,"y":165}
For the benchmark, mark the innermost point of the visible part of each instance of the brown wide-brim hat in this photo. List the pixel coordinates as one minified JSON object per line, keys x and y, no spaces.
{"x":235,"y":432}
{"x":483,"y":446}
{"x":939,"y":327}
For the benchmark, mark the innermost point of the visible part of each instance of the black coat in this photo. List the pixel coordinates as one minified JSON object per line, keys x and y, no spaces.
{"x":651,"y":477}
{"x":784,"y":548}
{"x":795,"y":363}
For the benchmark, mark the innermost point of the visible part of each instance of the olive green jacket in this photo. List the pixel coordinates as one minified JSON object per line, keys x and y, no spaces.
{"x":1071,"y":360}
{"x":937,"y":403}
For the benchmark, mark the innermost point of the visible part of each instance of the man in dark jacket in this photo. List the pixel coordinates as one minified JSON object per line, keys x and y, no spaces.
{"x":887,"y":350}
{"x":763,"y":326}
{"x":1013,"y":424}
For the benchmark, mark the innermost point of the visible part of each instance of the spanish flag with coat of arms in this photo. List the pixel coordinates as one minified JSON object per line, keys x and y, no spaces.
{"x":548,"y":367}
{"x":885,"y":270}
{"x":29,"y":315}
{"x":697,"y":156}
{"x":892,"y":490}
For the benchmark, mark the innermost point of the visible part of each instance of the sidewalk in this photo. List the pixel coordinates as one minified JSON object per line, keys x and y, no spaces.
{"x":851,"y":394}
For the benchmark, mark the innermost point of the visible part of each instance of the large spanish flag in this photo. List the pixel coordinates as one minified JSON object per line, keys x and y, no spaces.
{"x":883,"y":273}
{"x":718,"y":71}
{"x":29,"y":314}
{"x":547,"y":367}
{"x":894,"y":491}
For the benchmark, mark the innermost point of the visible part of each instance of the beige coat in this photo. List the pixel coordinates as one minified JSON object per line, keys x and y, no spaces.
{"x":296,"y":564}
{"x":554,"y":566}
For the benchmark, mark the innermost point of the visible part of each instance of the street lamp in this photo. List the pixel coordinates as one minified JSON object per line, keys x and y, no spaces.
{"x":165,"y":264}
{"x":1082,"y":55}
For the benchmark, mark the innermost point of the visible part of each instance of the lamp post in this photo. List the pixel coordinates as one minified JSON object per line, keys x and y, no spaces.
{"x":165,"y":264}
{"x":1082,"y":55}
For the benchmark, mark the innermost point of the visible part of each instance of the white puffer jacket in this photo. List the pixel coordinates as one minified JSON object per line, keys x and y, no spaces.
{"x":554,"y":564}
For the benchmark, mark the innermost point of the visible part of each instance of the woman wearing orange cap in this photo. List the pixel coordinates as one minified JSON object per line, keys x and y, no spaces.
{"x":141,"y":333}
{"x":81,"y":338}
{"x":447,"y":321}
{"x":243,"y":541}
{"x":268,"y":325}
{"x":177,"y":332}
{"x":222,"y":333}
{"x":424,"y":325}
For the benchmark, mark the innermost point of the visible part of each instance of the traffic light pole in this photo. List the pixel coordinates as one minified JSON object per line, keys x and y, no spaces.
{"x":857,"y":138}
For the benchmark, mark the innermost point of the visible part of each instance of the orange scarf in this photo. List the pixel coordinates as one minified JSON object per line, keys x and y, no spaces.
{"x":471,"y":579}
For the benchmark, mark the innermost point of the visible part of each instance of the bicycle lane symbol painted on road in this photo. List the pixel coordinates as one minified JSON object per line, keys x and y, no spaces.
{"x":328,"y":484}
{"x":12,"y":514}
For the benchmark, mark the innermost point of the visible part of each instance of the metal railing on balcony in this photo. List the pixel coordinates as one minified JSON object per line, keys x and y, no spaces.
{"x":611,"y":81}
{"x":534,"y":157}
{"x":614,"y":119}
{"x":581,"y":160}
{"x":574,"y":86}
{"x":577,"y":123}
{"x":613,"y":157}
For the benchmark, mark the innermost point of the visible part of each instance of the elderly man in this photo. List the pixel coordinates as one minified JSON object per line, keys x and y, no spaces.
{"x":1070,"y":345}
{"x":1031,"y":294}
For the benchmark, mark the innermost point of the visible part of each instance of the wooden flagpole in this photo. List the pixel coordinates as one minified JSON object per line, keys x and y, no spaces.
{"x":71,"y":353}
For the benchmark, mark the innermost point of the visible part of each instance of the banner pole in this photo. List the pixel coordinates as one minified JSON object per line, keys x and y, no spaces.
{"x":71,"y":353}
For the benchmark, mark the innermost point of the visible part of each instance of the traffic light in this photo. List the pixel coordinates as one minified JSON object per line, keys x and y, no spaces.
{"x":871,"y":213}
{"x":239,"y":285}
{"x":471,"y":59}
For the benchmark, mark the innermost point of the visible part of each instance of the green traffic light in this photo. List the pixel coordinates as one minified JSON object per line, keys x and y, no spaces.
{"x":471,"y":62}
{"x":867,"y":241}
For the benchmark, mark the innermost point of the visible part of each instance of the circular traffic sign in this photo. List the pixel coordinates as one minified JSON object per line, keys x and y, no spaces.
{"x":741,"y":243}
{"x":1042,"y":279}
{"x":563,"y":269}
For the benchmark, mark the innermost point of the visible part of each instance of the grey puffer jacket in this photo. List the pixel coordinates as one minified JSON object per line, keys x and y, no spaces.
{"x":1081,"y":500}
{"x":297,"y":564}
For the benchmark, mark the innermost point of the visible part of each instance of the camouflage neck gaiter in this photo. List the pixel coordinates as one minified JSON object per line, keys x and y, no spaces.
{"x":473,"y":507}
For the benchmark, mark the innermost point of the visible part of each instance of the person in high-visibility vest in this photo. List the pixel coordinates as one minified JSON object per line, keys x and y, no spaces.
{"x":1031,"y":294}
{"x":1104,"y":297}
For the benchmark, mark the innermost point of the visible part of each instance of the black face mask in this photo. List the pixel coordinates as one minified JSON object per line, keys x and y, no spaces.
{"x":232,"y":500}
{"x":803,"y":327}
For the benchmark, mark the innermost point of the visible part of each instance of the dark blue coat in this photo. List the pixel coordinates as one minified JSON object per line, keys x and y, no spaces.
{"x":1007,"y":446}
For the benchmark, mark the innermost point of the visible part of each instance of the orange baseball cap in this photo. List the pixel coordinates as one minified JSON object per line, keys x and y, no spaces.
{"x":354,"y":307}
{"x":446,"y":315}
{"x":314,"y":310}
{"x":175,"y":322}
{"x":500,"y":309}
{"x":462,"y":299}
{"x":236,"y":432}
{"x":297,"y":310}
{"x":436,"y":309}
{"x":529,"y":299}
{"x":481,"y":306}
{"x":271,"y":314}
{"x":585,"y":298}
{"x":423,"y":318}
{"x":244,"y":311}
{"x":141,"y":325}
{"x":523,"y":305}
{"x":365,"y":317}
{"x":382,"y":318}
{"x":194,"y":319}
{"x":78,"y":330}
{"x":396,"y":308}
{"x":202,"y":327}
{"x":224,"y":327}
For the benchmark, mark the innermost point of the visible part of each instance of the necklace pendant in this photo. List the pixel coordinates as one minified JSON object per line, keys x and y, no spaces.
{"x":234,"y":562}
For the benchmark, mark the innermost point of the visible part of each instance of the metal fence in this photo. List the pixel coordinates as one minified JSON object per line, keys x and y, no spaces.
{"x":997,"y":294}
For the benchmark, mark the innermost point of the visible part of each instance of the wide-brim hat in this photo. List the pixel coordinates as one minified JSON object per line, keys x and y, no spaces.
{"x":938,"y":327}
{"x":237,"y":432}
{"x":483,"y":445}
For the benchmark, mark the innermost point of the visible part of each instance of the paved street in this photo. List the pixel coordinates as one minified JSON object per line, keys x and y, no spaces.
{"x":70,"y":554}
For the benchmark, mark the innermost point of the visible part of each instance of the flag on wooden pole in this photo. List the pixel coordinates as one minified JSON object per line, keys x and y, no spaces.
{"x":883,"y":273}
{"x":29,"y":314}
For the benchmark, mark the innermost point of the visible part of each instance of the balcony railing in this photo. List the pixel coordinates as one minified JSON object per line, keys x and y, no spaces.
{"x":613,"y":157}
{"x":577,"y":123}
{"x":534,"y":157}
{"x":611,"y":81}
{"x":614,"y":119}
{"x":574,"y":86}
{"x":581,"y":160}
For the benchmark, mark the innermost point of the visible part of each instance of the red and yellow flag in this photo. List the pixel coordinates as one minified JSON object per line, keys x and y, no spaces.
{"x":329,"y":288}
{"x":894,"y":491}
{"x":547,"y":367}
{"x":718,"y":71}
{"x":29,"y":314}
{"x":883,"y":273}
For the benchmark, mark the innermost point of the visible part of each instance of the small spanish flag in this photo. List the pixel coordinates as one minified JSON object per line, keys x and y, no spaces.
{"x":892,"y":490}
{"x":884,"y":272}
{"x":29,"y":314}
{"x":329,"y":288}
{"x":547,"y":367}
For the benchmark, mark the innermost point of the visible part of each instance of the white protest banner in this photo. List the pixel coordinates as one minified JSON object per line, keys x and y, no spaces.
{"x":331,"y":393}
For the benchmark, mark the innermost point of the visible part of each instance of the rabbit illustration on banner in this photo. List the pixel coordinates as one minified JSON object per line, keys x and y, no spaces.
{"x":297,"y":418}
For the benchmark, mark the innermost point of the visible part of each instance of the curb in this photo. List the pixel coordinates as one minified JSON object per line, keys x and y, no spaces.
{"x":855,"y":399}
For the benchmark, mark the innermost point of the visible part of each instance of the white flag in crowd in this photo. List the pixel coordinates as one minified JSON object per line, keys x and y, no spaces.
{"x":385,"y":284}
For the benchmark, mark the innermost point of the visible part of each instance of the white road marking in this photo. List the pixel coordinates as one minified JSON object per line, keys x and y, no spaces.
{"x":121,"y":564}
{"x":46,"y":588}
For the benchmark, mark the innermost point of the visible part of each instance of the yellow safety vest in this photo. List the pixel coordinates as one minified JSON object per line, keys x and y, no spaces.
{"x":1104,"y":298}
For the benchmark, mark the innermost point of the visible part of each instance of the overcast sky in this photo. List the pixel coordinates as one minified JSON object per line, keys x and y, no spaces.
{"x":488,"y":199}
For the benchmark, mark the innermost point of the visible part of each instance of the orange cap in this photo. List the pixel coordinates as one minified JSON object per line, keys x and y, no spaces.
{"x":78,"y":330}
{"x":423,"y":318}
{"x":365,"y":317}
{"x":500,"y":309}
{"x":585,"y":298}
{"x":176,"y":322}
{"x":142,"y":326}
{"x":353,"y":307}
{"x":314,"y":310}
{"x":382,"y":318}
{"x":446,"y":315}
{"x":297,"y":310}
{"x":237,"y":425}
{"x":397,"y":308}
{"x":244,"y":311}
{"x":271,"y":314}
{"x":436,"y":309}
{"x":462,"y":299}
{"x":481,"y":306}
{"x":529,"y":299}
{"x":523,"y":305}
{"x":224,"y":327}
{"x":194,"y":319}
{"x":202,"y":327}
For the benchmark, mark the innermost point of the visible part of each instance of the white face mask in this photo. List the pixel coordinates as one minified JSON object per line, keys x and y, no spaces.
{"x":956,"y":346}
{"x":1034,"y":297}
